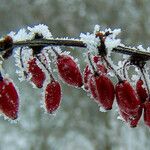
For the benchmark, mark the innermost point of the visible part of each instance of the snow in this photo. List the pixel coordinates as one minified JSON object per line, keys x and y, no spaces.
{"x":22,"y":35}
{"x":41,"y":29}
{"x":91,"y":41}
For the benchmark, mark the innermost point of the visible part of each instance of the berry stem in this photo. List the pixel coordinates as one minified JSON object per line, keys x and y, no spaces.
{"x":48,"y":70}
{"x":56,"y":53}
{"x":22,"y":64}
{"x":109,"y":65}
{"x":91,"y":64}
{"x":145,"y":80}
{"x":124,"y":68}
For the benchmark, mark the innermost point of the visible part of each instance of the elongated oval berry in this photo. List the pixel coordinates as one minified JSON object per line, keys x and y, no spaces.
{"x":93,"y":88}
{"x":69,"y":71}
{"x":9,"y":99}
{"x":37,"y":74}
{"x":52,"y":96}
{"x":86,"y":75}
{"x":104,"y":89}
{"x":147,"y":113}
{"x":141,"y":91}
{"x":132,"y":121}
{"x":127,"y":99}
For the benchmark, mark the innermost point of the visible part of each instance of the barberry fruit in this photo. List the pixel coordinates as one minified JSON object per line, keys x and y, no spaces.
{"x":132,"y":121}
{"x":69,"y":70}
{"x":86,"y":75}
{"x":52,"y":96}
{"x":127,"y":98}
{"x":147,"y":113}
{"x":9,"y":99}
{"x":104,"y":89}
{"x":37,"y":74}
{"x":93,"y":89}
{"x":141,"y":91}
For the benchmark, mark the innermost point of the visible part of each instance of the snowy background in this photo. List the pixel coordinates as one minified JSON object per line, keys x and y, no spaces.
{"x":78,"y":124}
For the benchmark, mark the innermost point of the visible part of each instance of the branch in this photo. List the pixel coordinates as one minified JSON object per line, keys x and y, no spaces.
{"x":79,"y":43}
{"x":76,"y":43}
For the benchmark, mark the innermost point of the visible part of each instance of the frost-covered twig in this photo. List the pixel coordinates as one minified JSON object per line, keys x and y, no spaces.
{"x":76,"y":43}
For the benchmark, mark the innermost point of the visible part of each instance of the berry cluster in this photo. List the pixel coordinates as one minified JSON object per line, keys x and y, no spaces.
{"x":34,"y":63}
{"x":130,"y":101}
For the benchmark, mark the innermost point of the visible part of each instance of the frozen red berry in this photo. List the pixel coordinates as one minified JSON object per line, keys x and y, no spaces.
{"x":104,"y":89}
{"x":9,"y":99}
{"x":132,"y":121}
{"x":141,"y":91}
{"x":37,"y":74}
{"x":69,"y":70}
{"x":127,"y":98}
{"x":93,"y":88}
{"x":52,"y":96}
{"x":147,"y":113}
{"x":86,"y":75}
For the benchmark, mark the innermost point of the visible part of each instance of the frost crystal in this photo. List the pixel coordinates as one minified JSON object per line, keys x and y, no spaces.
{"x":91,"y":41}
{"x":101,"y":109}
{"x":111,"y":42}
{"x":96,"y":29}
{"x":22,"y":35}
{"x":41,"y":29}
{"x":140,"y":47}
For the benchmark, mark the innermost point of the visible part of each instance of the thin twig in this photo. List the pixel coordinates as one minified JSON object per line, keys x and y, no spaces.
{"x":146,"y":82}
{"x":48,"y":70}
{"x":77,"y":43}
{"x":109,"y":65}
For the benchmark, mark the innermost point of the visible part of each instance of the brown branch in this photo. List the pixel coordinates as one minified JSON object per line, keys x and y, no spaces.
{"x":78,"y":43}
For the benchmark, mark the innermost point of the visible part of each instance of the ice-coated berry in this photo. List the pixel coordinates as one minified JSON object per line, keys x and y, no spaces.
{"x":37,"y":74}
{"x":69,"y":70}
{"x":52,"y":96}
{"x":127,"y":98}
{"x":147,"y":113}
{"x":9,"y":99}
{"x":103,"y":90}
{"x":86,"y":75}
{"x":132,"y":121}
{"x":141,"y":91}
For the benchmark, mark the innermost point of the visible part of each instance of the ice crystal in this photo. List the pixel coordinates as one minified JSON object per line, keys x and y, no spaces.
{"x":41,"y":29}
{"x":91,"y":41}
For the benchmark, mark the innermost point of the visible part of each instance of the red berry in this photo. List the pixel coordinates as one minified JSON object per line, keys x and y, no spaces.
{"x":37,"y":74}
{"x":99,"y":66}
{"x":87,"y":72}
{"x":9,"y":99}
{"x":127,"y":99}
{"x":133,"y":121}
{"x":141,"y":91}
{"x":147,"y":113}
{"x":104,"y":89}
{"x":86,"y":75}
{"x":93,"y":89}
{"x":52,"y":96}
{"x":69,"y":71}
